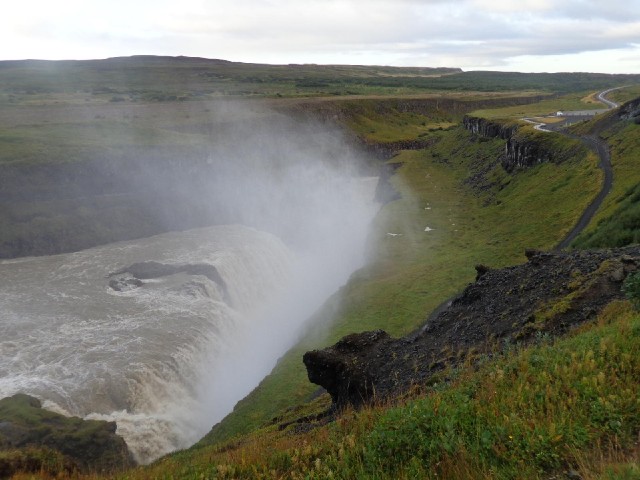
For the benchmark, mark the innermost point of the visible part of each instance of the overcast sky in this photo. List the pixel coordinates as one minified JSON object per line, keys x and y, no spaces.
{"x":519,"y":35}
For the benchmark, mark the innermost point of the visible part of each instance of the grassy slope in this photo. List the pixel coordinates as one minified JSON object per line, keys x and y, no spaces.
{"x":575,"y":101}
{"x":419,"y":269}
{"x":556,"y":406}
{"x":492,"y":423}
{"x":158,"y":79}
{"x":618,"y":221}
{"x":415,"y":271}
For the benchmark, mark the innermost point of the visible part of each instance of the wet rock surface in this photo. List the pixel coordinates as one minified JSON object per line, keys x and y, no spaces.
{"x":548,"y":295}
{"x":132,"y":276}
{"x":91,"y":445}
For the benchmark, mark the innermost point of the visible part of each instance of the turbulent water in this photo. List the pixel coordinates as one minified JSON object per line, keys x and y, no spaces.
{"x":67,"y":337}
{"x":165,"y":357}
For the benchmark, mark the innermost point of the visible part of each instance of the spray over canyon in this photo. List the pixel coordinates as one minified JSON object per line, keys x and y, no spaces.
{"x":167,"y":354}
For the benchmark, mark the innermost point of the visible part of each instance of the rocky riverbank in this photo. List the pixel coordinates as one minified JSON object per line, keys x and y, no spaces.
{"x":84,"y":445}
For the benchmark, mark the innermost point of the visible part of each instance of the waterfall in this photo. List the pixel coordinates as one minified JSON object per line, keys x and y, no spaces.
{"x":137,"y":355}
{"x":165,"y":334}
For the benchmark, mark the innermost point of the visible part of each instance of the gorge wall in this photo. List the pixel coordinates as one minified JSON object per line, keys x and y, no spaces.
{"x":110,"y":192}
{"x":520,"y":151}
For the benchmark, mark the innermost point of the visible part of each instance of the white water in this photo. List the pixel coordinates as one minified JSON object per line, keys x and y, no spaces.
{"x":170,"y":358}
{"x":137,"y":356}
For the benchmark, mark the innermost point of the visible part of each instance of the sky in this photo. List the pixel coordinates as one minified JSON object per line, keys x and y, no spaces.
{"x":507,"y":35}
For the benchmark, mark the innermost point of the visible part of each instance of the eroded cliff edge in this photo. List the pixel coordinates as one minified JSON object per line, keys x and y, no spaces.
{"x":524,"y":148}
{"x":549,"y":295}
{"x":86,"y":445}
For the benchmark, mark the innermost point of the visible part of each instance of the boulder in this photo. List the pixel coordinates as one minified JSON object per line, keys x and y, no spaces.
{"x":92,"y":445}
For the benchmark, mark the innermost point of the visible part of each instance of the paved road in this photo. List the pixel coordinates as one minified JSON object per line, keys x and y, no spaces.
{"x":610,"y":104}
{"x":598,"y":145}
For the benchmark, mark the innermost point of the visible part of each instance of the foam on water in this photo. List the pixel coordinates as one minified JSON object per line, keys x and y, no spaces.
{"x":135,"y":357}
{"x":168,"y":359}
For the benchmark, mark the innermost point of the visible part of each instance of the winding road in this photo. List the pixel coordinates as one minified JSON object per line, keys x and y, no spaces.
{"x":601,"y":97}
{"x":595,"y":143}
{"x":598,"y":145}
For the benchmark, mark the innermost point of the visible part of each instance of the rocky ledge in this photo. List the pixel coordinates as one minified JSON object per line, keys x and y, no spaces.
{"x":520,"y":151}
{"x":630,"y":111}
{"x":550,"y":294}
{"x":87,"y":445}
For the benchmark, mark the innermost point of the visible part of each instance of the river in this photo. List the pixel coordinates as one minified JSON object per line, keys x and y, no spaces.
{"x":169,"y":356}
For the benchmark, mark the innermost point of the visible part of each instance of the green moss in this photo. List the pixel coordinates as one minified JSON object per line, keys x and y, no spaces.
{"x":92,"y":444}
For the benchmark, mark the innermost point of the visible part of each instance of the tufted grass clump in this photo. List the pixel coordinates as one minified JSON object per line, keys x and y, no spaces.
{"x":631,"y":288}
{"x":535,"y":412}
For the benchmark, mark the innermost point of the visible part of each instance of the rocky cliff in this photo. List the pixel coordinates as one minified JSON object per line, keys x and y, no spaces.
{"x":489,"y":128}
{"x":550,"y":294}
{"x":523,"y":153}
{"x":630,"y":110}
{"x":521,"y":150}
{"x":88,"y":445}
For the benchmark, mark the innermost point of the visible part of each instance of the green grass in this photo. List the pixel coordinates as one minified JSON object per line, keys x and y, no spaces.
{"x":630,"y":92}
{"x":574,"y":101}
{"x":617,"y":223}
{"x":414,"y":270}
{"x":534,"y":412}
{"x":165,"y":79}
{"x":409,"y":275}
{"x":72,"y":142}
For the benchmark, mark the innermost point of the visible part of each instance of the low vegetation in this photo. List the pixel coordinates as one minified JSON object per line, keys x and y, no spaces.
{"x":181,"y":79}
{"x":558,"y":407}
{"x":458,"y":208}
{"x":555,"y":408}
{"x":618,"y":221}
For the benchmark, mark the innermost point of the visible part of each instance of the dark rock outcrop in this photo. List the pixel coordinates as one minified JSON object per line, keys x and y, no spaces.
{"x":488,"y":128}
{"x":519,"y":152}
{"x":630,"y":110}
{"x":343,"y":369}
{"x":92,"y":445}
{"x":147,"y":270}
{"x":386,"y":150}
{"x":550,"y":294}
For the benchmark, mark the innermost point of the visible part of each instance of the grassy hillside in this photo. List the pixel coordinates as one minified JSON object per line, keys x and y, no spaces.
{"x":414,"y":270}
{"x":171,"y":79}
{"x":476,"y":213}
{"x":511,"y":419}
{"x":76,"y":176}
{"x":618,"y":222}
{"x":557,"y":408}
{"x":457,"y":207}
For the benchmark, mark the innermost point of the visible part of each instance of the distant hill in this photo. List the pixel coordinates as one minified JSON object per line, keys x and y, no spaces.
{"x":164,"y":78}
